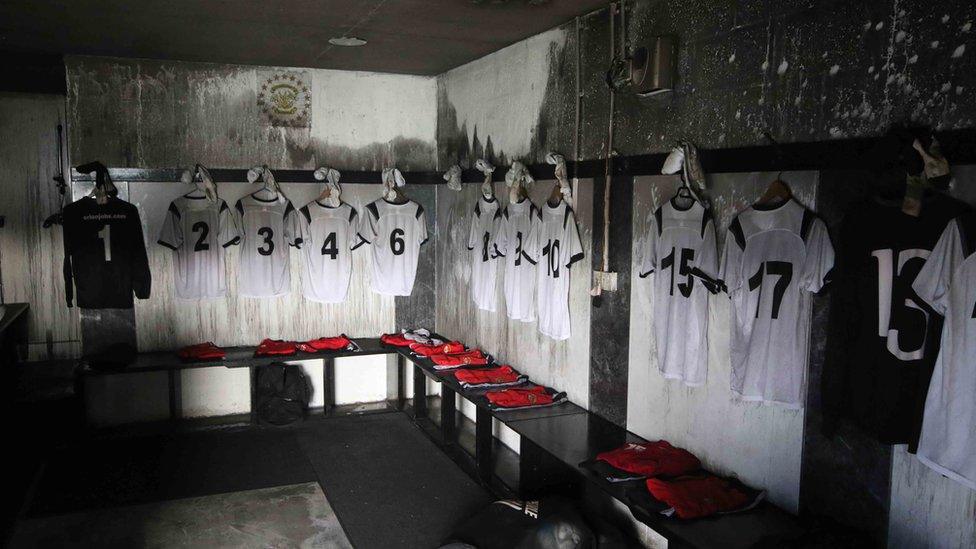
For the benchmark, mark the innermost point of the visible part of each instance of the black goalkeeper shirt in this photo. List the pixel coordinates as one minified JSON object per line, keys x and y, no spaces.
{"x":104,"y":254}
{"x":883,"y":339}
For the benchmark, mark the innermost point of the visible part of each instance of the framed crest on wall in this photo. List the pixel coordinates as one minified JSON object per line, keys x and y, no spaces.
{"x":285,"y":98}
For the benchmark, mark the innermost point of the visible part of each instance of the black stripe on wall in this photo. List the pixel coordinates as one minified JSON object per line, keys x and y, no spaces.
{"x":610,"y":312}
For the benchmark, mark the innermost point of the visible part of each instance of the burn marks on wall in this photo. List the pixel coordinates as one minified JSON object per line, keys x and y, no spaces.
{"x":805,"y":71}
{"x":517,"y":104}
{"x":144,"y":113}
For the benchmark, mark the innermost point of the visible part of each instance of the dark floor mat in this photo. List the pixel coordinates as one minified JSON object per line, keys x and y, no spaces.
{"x":103,"y":473}
{"x":388,"y":483}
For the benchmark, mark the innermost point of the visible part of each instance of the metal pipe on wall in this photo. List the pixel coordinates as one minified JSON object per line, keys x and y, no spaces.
{"x":608,"y":178}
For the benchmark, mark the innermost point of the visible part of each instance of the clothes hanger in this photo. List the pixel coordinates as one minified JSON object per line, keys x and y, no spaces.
{"x":677,"y":163}
{"x":194,"y":178}
{"x":393,"y":181}
{"x":327,"y":196}
{"x":401,"y":197}
{"x":200,"y":177}
{"x":516,"y":179}
{"x":487,"y":189}
{"x":104,"y":187}
{"x":778,"y":191}
{"x":556,"y":195}
{"x":685,"y":194}
{"x":270,"y":185}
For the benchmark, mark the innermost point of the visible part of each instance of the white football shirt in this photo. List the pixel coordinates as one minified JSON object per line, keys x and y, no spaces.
{"x":484,"y":225}
{"x":328,"y":237}
{"x":199,"y":230}
{"x":514,"y":228}
{"x":947,"y":282}
{"x":681,"y":254}
{"x":773,"y":255}
{"x":554,"y":246}
{"x":395,"y":233}
{"x":268,"y":227}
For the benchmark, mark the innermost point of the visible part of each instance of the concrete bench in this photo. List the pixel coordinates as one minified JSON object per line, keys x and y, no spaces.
{"x":554,"y":440}
{"x":157,"y":385}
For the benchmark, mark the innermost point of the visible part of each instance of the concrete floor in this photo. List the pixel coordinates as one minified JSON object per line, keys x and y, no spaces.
{"x":366,"y":481}
{"x":298,"y":515}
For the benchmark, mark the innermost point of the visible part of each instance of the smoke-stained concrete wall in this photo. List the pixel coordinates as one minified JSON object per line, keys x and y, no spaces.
{"x":801,"y":71}
{"x":156,"y":114}
{"x":515,"y":104}
{"x":30,"y":255}
{"x":159,"y":114}
{"x":804,"y":71}
{"x":563,"y":365}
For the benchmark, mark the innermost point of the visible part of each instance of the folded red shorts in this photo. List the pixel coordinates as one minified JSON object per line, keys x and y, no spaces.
{"x":275,"y":347}
{"x":520,"y":398}
{"x":489,"y":377}
{"x":396,"y":340}
{"x":452,"y":348}
{"x":700,"y":496}
{"x":473,"y":357}
{"x":201,"y":352}
{"x":652,"y":459}
{"x":337,"y":343}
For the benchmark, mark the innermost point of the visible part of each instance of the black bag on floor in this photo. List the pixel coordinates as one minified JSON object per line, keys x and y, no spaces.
{"x":283,"y":394}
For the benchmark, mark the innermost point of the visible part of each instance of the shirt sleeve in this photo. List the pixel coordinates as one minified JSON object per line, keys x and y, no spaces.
{"x":500,"y":237}
{"x":530,"y":246}
{"x":292,"y":226}
{"x":496,"y":227}
{"x":369,"y":224}
{"x":355,"y":227}
{"x":422,"y":221}
{"x":705,"y":267}
{"x":649,"y":263}
{"x":572,"y":245}
{"x":472,"y":229}
{"x":933,"y":281}
{"x":141,"y":276}
{"x":171,"y":234}
{"x":228,"y":226}
{"x":303,"y":227}
{"x":819,"y":263}
{"x":67,"y":231}
{"x":730,"y":273}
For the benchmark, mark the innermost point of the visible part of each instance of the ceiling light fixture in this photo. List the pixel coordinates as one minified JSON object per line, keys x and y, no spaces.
{"x":347,"y":41}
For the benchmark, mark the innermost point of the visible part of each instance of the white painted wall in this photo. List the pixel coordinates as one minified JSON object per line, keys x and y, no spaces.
{"x":761,"y":444}
{"x":217,"y":391}
{"x":30,"y":255}
{"x":360,"y":379}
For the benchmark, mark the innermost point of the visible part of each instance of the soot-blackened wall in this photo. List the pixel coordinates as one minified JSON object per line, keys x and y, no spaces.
{"x":157,"y":114}
{"x":801,"y":71}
